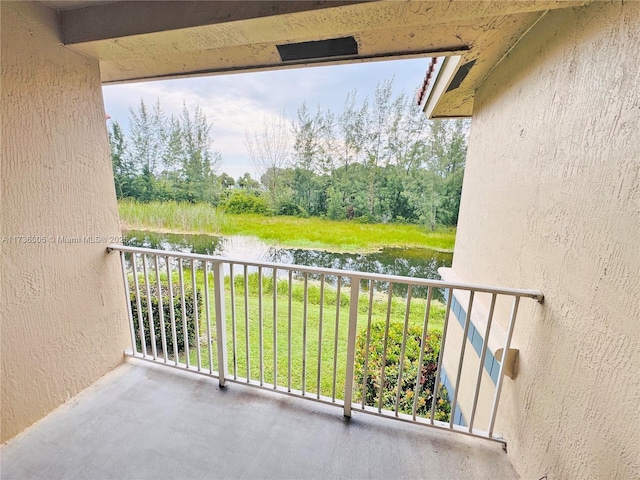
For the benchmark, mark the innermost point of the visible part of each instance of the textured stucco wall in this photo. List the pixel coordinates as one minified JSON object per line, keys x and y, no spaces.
{"x":551,"y":201}
{"x":470,"y":366}
{"x":63,"y":310}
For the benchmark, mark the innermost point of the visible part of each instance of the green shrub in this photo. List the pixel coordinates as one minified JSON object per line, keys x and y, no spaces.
{"x":177,"y":306}
{"x":364,"y":219}
{"x":409,"y":371}
{"x":289,"y":208}
{"x":243,"y":202}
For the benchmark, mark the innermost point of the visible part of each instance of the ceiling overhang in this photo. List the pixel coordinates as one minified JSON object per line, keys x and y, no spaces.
{"x":138,"y":40}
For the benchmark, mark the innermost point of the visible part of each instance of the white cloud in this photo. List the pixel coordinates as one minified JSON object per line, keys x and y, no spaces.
{"x":237,"y":102}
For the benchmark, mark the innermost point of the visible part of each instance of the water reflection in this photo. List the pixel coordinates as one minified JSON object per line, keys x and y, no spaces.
{"x":411,"y":262}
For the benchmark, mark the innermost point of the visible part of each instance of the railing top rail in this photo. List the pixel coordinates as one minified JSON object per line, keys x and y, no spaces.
{"x":517,"y":292}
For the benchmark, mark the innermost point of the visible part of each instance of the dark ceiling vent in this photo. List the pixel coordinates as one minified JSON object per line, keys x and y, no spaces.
{"x":334,"y":47}
{"x":460,"y":75}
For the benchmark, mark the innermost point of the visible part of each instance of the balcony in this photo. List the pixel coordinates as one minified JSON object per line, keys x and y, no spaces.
{"x":147,"y":421}
{"x":326,"y":387}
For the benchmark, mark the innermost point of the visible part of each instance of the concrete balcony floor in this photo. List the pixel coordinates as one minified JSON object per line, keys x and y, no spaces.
{"x":148,"y":421}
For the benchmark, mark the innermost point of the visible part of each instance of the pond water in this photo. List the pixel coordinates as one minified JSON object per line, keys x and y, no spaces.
{"x":410,"y":262}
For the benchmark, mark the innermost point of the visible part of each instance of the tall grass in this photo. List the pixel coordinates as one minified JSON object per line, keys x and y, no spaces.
{"x":316,"y":233}
{"x":173,"y":216}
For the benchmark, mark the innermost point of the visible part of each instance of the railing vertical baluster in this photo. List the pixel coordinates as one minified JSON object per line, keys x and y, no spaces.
{"x":305,"y":301}
{"x":483,"y":354}
{"x":321,"y":314}
{"x":365,"y":373}
{"x":152,"y":327}
{"x":336,"y":337}
{"x":136,"y":284}
{"x":234,"y":345}
{"x":384,"y":347}
{"x":172,"y":311}
{"x":246,"y":323}
{"x":163,"y":335}
{"x":351,"y":343}
{"x":221,"y":320}
{"x":183,"y":305}
{"x":507,"y":344}
{"x":423,"y":344}
{"x":196,"y":318}
{"x":207,"y":313}
{"x":405,"y":331}
{"x":125,"y":279}
{"x":289,"y":333}
{"x":260,"y":327}
{"x":436,"y":388}
{"x":275,"y":328}
{"x":456,"y":391}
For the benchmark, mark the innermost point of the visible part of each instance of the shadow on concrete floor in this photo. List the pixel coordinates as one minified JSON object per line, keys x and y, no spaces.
{"x":148,"y":421}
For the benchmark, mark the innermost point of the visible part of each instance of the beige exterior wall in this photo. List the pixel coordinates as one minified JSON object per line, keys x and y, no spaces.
{"x":551,"y":201}
{"x":469,"y":375}
{"x":471,"y":363}
{"x":63,"y":311}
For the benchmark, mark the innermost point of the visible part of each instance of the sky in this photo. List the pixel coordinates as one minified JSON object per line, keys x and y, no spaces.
{"x":234,"y":103}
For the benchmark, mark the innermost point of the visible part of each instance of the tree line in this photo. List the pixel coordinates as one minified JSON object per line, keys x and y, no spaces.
{"x":164,"y":158}
{"x":377,"y":160}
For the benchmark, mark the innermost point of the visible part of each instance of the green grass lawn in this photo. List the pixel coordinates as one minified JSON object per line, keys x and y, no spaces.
{"x":306,"y":351}
{"x":313,"y":233}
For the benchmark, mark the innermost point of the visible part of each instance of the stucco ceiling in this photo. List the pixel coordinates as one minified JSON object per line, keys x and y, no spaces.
{"x":71,"y":4}
{"x":150,"y":40}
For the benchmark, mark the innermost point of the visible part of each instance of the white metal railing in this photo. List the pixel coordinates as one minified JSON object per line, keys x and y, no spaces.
{"x":297,"y":363}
